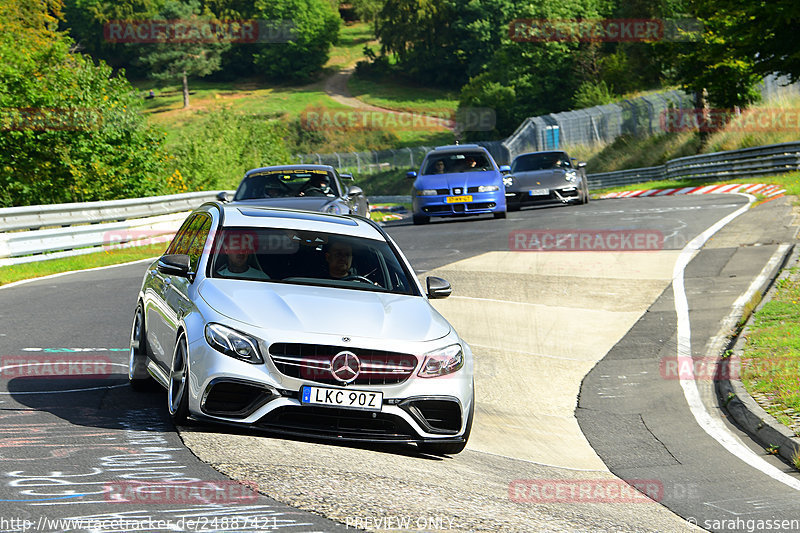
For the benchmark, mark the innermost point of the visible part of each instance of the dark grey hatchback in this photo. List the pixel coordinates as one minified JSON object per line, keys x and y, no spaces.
{"x":307,"y":187}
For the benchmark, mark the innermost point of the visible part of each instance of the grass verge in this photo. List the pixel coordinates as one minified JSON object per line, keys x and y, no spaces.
{"x":12,"y":273}
{"x":771,"y":357}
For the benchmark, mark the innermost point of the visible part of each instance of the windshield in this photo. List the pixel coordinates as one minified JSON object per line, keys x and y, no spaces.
{"x":530,"y":162}
{"x":309,"y":258}
{"x":458,"y":162}
{"x":287,"y":184}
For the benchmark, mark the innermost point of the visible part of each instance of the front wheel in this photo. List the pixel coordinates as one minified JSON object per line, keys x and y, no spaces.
{"x":177,"y":395}
{"x":138,"y":377}
{"x":420,"y":219}
{"x":500,"y":214}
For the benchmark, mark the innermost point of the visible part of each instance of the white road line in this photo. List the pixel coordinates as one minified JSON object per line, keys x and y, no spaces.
{"x":713,"y":426}
{"x":58,"y":275}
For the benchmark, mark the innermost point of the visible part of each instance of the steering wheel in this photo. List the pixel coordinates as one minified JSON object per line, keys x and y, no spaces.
{"x":356,"y":277}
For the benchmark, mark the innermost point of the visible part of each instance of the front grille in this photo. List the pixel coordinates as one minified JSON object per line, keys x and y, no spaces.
{"x":312,"y":362}
{"x":335,"y":422}
{"x":442,"y":191}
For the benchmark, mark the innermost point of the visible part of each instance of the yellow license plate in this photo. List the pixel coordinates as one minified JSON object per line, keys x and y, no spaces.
{"x":458,"y":199}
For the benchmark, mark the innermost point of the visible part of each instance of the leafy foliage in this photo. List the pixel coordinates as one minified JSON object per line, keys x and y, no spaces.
{"x":316,"y":28}
{"x":69,"y":130}
{"x":221,"y":145}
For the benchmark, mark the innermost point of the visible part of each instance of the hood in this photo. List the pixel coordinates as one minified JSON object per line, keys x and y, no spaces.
{"x":306,"y":203}
{"x":325,"y":310}
{"x":546,"y":178}
{"x":458,"y":179}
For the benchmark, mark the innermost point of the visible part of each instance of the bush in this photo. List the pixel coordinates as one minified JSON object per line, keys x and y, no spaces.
{"x":69,"y":130}
{"x":221,"y":145}
{"x":316,"y":26}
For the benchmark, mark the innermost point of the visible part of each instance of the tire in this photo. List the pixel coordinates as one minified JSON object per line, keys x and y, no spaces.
{"x":420,"y":219}
{"x":451,"y":448}
{"x":177,"y":393}
{"x":500,"y":214}
{"x":514,"y":207}
{"x":138,"y":377}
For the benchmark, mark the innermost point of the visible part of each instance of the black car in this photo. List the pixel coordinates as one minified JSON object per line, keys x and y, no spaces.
{"x":545,"y":177}
{"x":306,"y":187}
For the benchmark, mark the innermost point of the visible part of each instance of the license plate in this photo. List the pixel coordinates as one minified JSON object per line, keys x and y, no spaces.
{"x":539,"y":192}
{"x":458,"y":199}
{"x":349,"y":399}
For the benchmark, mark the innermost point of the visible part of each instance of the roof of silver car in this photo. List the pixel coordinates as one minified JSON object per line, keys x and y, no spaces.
{"x":273,"y":217}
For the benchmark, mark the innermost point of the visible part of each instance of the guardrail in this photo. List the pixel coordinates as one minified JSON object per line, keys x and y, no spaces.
{"x":36,"y":233}
{"x":744,"y":163}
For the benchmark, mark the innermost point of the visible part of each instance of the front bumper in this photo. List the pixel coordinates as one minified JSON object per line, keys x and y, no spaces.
{"x":480,"y":203}
{"x":563,"y":194}
{"x":418,"y":410}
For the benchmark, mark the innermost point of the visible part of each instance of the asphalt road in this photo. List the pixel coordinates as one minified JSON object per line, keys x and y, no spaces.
{"x":70,"y":447}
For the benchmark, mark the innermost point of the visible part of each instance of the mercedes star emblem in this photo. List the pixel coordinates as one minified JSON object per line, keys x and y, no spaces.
{"x":345,"y":367}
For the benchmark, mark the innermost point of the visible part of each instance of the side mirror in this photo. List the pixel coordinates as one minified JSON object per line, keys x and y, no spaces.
{"x":412,"y":175}
{"x":438,"y":287}
{"x":222,"y":196}
{"x":354,"y":191}
{"x":176,"y":265}
{"x":346,"y":176}
{"x":581,"y":164}
{"x":505,"y":169}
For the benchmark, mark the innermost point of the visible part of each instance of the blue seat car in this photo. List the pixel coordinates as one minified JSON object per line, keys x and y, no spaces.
{"x":458,"y":180}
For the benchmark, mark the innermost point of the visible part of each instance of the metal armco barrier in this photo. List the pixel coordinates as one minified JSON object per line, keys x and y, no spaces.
{"x":79,"y":228}
{"x":745,"y":163}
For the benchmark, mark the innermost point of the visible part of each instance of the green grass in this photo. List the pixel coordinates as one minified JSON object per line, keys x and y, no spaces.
{"x":771,"y":358}
{"x":350,"y":49}
{"x":11,"y":273}
{"x":400,"y":96}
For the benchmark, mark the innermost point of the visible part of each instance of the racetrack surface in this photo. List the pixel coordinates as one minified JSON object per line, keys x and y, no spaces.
{"x":537,"y":322}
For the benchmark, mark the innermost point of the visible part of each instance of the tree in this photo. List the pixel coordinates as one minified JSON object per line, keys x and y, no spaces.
{"x":70,"y":131}
{"x":315,"y":29}
{"x":766,"y":32}
{"x":181,"y":60}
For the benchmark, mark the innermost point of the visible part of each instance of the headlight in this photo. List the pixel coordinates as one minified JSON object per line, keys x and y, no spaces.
{"x":508,"y":181}
{"x":334,"y":209}
{"x":426,"y":192}
{"x":488,"y":188}
{"x":441,"y":362}
{"x":233,"y":343}
{"x":571,"y":175}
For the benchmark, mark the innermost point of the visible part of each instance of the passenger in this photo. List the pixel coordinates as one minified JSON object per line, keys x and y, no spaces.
{"x":238,"y":249}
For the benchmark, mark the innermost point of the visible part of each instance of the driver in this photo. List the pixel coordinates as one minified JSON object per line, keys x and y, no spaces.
{"x":317,"y":185}
{"x":339,"y":257}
